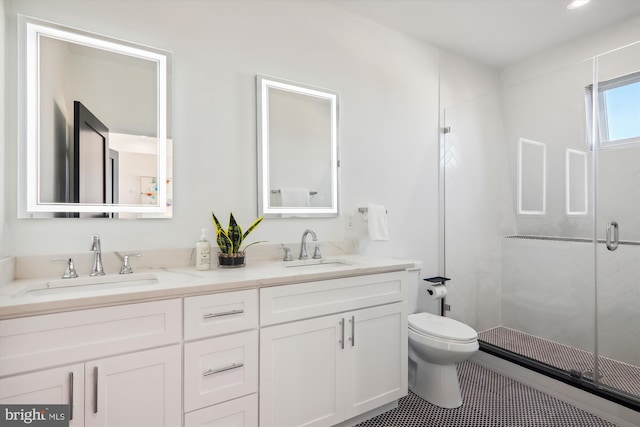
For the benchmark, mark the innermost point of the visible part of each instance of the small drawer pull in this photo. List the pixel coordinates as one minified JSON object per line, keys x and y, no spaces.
{"x":228,"y":368}
{"x":225,"y":313}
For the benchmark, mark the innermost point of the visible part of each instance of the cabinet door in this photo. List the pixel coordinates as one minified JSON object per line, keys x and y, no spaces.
{"x":53,"y":386}
{"x":138,"y":389}
{"x":301,"y":373}
{"x":377,"y":357}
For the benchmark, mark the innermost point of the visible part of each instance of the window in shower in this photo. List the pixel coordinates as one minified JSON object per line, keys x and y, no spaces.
{"x":618,"y":110}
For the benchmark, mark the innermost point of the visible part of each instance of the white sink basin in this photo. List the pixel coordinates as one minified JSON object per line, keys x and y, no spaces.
{"x":324,"y":262}
{"x":84,"y":284}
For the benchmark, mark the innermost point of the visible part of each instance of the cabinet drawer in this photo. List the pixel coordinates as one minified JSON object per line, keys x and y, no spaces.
{"x":219,"y":369}
{"x":280,"y":304}
{"x":242,"y":412}
{"x":37,"y":342}
{"x":218,"y":314}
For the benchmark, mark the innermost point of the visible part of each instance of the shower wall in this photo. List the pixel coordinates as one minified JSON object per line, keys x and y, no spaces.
{"x":548,"y":292}
{"x":476,"y":170}
{"x":550,"y":110}
{"x":544,"y":287}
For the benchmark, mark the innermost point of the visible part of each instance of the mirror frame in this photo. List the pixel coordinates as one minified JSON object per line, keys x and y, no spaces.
{"x":263,"y":85}
{"x":30,"y":31}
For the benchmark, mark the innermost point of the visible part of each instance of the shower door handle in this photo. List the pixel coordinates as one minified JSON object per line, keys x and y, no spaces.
{"x":612,"y":242}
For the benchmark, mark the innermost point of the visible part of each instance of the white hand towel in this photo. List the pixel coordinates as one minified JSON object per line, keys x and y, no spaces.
{"x":294,"y":197}
{"x":378,"y":225}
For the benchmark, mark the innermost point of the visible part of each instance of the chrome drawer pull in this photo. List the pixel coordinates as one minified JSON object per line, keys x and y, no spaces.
{"x":228,"y":368}
{"x":225,"y":313}
{"x":612,"y":243}
{"x":70,"y":395}
{"x":353,"y":331}
{"x":95,"y":390}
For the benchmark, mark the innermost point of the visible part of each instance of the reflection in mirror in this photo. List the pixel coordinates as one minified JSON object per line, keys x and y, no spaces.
{"x":96,"y":140}
{"x":531,"y":177}
{"x":576,"y":182}
{"x":297,"y":149}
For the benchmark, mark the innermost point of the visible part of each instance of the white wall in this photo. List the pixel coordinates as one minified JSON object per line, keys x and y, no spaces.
{"x":4,"y":209}
{"x":567,"y":54}
{"x":388,"y":85}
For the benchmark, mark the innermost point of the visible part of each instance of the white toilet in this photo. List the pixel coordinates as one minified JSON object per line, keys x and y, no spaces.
{"x":436,"y":344}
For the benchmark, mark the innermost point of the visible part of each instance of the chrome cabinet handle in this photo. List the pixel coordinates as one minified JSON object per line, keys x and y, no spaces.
{"x":227,"y":368}
{"x":95,"y":390}
{"x":70,"y":395}
{"x":612,"y":244}
{"x":342,"y":336}
{"x":225,"y":313}
{"x":353,"y":331}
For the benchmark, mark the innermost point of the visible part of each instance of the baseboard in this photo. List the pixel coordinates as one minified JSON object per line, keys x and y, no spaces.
{"x":603,"y":408}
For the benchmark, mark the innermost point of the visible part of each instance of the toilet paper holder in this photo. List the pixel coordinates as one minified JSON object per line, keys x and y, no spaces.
{"x":444,"y":307}
{"x":437,"y":279}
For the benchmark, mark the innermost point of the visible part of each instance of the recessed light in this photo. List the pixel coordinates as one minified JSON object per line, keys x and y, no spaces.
{"x":576,"y":4}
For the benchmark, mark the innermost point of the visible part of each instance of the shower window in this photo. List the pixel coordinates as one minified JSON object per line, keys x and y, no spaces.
{"x":618,"y":110}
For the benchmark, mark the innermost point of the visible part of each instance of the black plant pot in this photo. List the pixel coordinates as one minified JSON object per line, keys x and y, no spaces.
{"x":235,"y":260}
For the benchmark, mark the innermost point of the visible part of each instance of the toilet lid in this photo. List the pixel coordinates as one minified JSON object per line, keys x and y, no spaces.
{"x":441,"y":327}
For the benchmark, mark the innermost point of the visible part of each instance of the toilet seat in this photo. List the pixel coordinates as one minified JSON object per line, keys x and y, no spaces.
{"x":442,"y":328}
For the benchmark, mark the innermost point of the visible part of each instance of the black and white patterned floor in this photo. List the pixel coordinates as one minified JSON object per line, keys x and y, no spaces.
{"x":489,"y":400}
{"x":614,"y":374}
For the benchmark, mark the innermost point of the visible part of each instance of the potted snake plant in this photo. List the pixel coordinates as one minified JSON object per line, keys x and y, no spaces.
{"x":229,"y":241}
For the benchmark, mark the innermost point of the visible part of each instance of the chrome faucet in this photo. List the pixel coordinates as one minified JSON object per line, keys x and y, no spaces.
{"x":97,"y":268}
{"x":303,"y":245}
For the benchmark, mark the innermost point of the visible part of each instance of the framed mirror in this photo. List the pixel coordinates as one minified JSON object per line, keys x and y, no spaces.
{"x":297,"y":149}
{"x":95,"y":133}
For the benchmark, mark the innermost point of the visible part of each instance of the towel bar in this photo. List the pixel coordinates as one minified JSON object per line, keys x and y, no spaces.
{"x":311,"y":193}
{"x":365,"y":210}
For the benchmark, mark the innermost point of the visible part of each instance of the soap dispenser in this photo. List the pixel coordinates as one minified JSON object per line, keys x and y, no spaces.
{"x":203,"y":253}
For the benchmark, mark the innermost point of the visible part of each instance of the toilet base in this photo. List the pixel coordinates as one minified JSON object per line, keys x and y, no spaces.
{"x":437,"y":384}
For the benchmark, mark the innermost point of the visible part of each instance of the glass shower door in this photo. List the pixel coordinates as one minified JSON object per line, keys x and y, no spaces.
{"x":547,"y":289}
{"x":617,"y":146}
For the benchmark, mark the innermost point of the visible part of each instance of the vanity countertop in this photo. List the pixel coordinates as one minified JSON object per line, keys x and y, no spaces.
{"x":17,"y":301}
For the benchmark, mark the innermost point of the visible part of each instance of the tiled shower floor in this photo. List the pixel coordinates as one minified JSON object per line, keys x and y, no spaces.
{"x":617,"y":375}
{"x":489,"y":400}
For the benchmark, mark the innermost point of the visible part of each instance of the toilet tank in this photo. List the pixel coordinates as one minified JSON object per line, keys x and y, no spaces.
{"x":418,"y":299}
{"x":414,"y":287}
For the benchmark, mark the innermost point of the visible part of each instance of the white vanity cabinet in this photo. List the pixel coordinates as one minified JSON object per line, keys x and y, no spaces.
{"x":63,"y":385}
{"x":331,"y":350}
{"x":116,"y":380}
{"x":314,"y":353}
{"x":221,"y":359}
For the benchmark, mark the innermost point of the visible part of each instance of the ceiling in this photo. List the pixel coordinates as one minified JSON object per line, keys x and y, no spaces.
{"x":494,"y":32}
